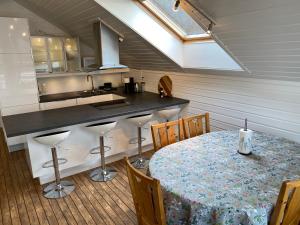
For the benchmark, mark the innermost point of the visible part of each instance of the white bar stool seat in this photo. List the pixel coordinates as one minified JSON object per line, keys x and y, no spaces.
{"x":168,"y":114}
{"x":104,"y":173}
{"x":60,"y":188}
{"x":139,"y":121}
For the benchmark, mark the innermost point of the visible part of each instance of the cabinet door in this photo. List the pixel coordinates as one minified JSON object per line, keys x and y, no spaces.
{"x":14,"y":36}
{"x":40,"y":54}
{"x":56,"y":54}
{"x":6,"y":111}
{"x":18,"y":85}
{"x":57,"y":104}
{"x":72,"y":54}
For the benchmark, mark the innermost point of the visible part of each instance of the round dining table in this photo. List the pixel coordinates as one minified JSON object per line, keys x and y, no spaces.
{"x":206,"y":181}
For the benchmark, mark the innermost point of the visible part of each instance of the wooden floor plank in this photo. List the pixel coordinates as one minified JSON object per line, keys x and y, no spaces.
{"x":74,"y":210}
{"x":14,"y":213}
{"x":18,"y":195}
{"x":34,"y":195}
{"x":116,"y":206}
{"x":4,"y":202}
{"x":66,"y":211}
{"x":111,"y":209}
{"x":94,"y":203}
{"x":89,"y":201}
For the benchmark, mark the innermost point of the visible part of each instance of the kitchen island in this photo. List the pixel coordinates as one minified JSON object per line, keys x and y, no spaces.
{"x":76,"y":149}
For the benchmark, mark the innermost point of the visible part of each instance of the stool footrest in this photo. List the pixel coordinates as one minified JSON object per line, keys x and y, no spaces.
{"x":49,"y":163}
{"x":96,"y":150}
{"x":135,"y":140}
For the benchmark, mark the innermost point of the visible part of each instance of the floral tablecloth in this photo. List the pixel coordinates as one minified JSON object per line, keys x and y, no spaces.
{"x":205,"y":180}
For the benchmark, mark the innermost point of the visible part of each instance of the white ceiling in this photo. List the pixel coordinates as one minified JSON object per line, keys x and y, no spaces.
{"x":262,"y":34}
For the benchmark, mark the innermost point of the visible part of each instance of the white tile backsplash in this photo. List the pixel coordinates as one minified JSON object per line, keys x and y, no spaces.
{"x":75,"y":83}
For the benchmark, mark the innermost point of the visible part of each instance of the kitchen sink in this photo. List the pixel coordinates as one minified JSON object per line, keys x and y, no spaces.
{"x":86,"y":94}
{"x":104,"y":101}
{"x":110,"y":104}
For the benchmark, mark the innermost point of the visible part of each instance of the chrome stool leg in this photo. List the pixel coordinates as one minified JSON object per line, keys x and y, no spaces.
{"x":58,"y":189}
{"x":141,"y":162}
{"x":104,"y":173}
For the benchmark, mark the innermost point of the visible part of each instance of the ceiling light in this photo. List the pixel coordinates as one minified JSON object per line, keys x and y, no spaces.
{"x":209,"y":29}
{"x":11,"y":27}
{"x":176,"y":5}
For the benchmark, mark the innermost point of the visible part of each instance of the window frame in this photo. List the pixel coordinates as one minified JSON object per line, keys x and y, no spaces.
{"x":170,"y":25}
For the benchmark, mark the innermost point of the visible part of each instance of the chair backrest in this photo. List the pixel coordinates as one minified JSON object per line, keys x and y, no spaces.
{"x":147,"y":197}
{"x":287,"y":209}
{"x":193,"y":125}
{"x":164,"y":134}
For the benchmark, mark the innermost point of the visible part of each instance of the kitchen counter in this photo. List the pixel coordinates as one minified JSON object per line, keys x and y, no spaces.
{"x":27,"y":123}
{"x":60,"y":96}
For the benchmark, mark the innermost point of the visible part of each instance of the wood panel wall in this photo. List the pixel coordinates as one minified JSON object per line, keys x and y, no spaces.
{"x":271,"y":106}
{"x":262,"y":34}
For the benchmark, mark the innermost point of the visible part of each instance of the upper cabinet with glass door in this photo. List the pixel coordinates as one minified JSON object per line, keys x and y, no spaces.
{"x":55,"y":54}
{"x":40,"y":54}
{"x":72,"y":54}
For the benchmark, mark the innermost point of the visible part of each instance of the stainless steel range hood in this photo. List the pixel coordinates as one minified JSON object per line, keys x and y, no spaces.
{"x":107,"y":47}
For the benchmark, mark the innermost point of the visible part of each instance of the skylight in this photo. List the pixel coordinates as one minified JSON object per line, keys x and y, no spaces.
{"x":178,"y":21}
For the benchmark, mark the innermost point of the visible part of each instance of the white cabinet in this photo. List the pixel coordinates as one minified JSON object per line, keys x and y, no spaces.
{"x":5,"y":111}
{"x":18,"y":85}
{"x":57,"y":104}
{"x":56,"y":54}
{"x":14,"y":36}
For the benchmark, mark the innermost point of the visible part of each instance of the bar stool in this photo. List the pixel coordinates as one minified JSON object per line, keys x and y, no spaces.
{"x":60,"y":188}
{"x":168,"y":114}
{"x":139,"y":121}
{"x":104,"y":173}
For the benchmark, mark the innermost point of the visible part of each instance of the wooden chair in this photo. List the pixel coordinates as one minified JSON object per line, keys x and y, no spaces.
{"x":193,"y":125}
{"x":164,"y":134}
{"x":147,"y":197}
{"x":287,"y":209}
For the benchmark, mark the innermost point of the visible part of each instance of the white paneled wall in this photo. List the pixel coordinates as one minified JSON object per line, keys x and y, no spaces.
{"x":270,"y":106}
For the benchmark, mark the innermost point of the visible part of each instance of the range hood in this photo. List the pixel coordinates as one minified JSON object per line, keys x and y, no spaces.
{"x":107,"y":47}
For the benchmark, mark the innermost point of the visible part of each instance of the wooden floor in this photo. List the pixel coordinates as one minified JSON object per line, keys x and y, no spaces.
{"x":91,"y":203}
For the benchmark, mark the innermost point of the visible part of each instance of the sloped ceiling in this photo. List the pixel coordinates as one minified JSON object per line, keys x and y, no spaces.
{"x":262,"y":34}
{"x":76,"y":18}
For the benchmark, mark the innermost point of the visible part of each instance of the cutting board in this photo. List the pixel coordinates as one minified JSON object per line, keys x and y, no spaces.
{"x":165,"y":83}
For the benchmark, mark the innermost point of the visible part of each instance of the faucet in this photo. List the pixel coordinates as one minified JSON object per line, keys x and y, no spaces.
{"x":88,"y":77}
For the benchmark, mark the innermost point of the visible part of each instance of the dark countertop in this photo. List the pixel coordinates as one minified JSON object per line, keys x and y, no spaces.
{"x":27,"y":123}
{"x":75,"y":94}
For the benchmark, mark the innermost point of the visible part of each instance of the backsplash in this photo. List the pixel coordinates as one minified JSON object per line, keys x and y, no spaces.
{"x":75,"y":83}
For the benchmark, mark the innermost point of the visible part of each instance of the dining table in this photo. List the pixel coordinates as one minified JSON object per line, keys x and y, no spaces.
{"x":206,"y":181}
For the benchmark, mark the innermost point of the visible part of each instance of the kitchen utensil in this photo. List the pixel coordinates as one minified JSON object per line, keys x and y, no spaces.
{"x":165,"y":83}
